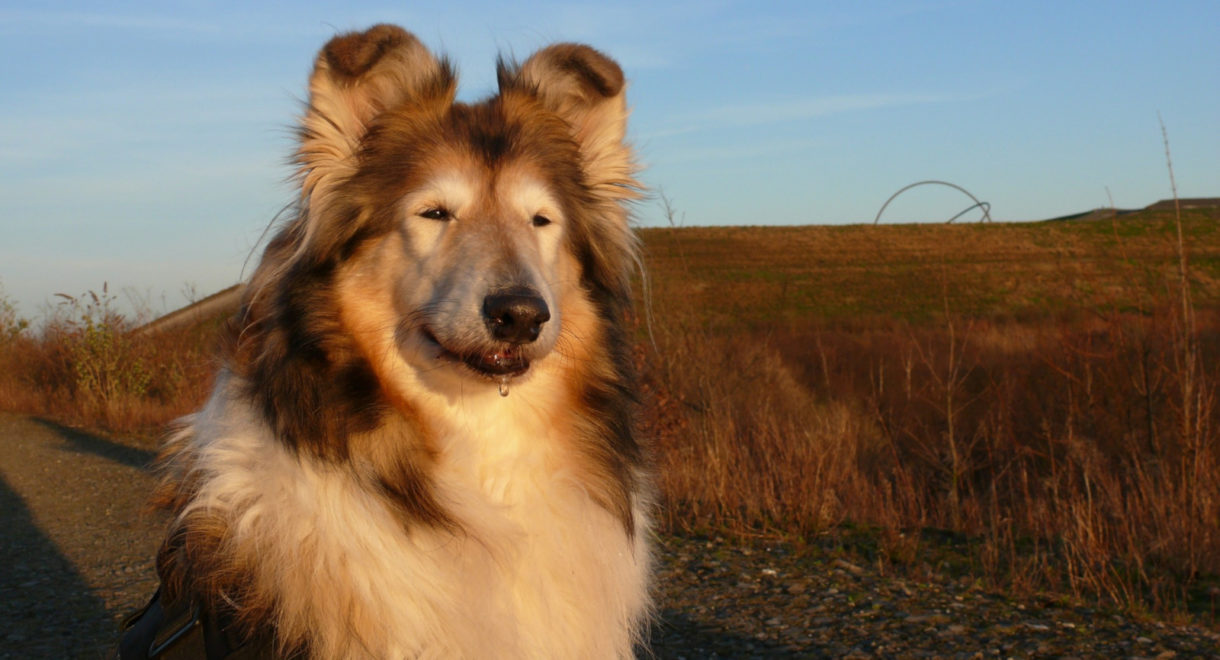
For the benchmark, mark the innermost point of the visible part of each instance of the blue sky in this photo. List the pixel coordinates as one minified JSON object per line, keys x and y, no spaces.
{"x":146,"y":144}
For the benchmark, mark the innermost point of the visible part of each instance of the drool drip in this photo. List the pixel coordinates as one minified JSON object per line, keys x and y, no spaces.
{"x":501,"y":365}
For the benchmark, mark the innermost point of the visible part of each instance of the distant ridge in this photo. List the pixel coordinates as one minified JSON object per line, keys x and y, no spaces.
{"x":1188,"y":203}
{"x":1095,"y":214}
{"x":221,"y":302}
{"x":1162,"y":205}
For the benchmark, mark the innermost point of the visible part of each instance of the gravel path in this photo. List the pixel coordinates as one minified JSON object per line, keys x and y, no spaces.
{"x":722,"y":600}
{"x":76,"y":545}
{"x":76,"y":548}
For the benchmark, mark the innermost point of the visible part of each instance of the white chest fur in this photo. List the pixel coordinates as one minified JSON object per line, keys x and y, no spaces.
{"x":536,"y":568}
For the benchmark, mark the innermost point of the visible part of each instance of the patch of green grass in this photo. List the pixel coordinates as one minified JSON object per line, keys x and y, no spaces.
{"x":907,"y":271}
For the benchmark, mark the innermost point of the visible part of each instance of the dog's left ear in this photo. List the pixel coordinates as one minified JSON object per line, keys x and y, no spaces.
{"x":587,"y":90}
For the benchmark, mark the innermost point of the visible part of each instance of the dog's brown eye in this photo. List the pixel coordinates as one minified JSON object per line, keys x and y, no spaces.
{"x":436,"y":214}
{"x":541,"y":220}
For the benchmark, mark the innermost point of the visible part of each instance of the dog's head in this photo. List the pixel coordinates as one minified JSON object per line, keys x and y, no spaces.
{"x":455,"y":235}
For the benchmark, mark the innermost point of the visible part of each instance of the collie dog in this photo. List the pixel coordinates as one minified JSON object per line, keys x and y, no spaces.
{"x":421,"y":441}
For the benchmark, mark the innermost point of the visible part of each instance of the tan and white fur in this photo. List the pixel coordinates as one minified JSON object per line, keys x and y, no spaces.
{"x":420,"y":444}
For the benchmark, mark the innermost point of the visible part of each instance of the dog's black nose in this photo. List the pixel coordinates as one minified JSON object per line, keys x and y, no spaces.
{"x":515,"y":316}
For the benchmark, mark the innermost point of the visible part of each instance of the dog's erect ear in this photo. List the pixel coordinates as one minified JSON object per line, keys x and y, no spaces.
{"x":588,"y":91}
{"x":356,"y":77}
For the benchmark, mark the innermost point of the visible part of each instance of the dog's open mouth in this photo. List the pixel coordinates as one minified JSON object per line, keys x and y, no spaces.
{"x":500,"y":362}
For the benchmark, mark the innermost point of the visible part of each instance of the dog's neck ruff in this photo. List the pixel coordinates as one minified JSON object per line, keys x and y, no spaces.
{"x":534,"y":568}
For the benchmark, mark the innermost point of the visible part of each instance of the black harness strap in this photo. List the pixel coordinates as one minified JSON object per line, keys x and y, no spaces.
{"x":183,"y":630}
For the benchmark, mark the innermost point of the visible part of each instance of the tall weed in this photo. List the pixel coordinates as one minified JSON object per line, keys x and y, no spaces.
{"x":104,"y":357}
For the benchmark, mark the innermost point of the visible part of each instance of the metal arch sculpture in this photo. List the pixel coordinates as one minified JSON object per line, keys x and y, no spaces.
{"x":977,"y":204}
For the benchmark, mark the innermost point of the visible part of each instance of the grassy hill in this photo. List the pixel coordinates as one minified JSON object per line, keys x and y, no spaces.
{"x":759,"y":275}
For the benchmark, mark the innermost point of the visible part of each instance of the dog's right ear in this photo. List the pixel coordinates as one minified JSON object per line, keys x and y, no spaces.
{"x":588,"y":91}
{"x":356,"y":77}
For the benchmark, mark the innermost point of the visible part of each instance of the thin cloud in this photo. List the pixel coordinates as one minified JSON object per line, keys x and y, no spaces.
{"x":736,"y":152}
{"x":791,"y":110}
{"x":799,"y":109}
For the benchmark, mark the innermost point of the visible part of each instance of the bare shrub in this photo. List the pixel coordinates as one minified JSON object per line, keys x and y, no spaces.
{"x":11,"y":325}
{"x":86,"y":365}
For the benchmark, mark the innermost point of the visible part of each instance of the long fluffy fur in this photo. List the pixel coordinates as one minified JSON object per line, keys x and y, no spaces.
{"x":351,"y":500}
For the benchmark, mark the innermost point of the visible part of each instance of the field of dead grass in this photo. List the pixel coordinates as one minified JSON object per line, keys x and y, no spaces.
{"x":1035,"y":394}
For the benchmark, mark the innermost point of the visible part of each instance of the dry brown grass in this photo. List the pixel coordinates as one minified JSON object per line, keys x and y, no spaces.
{"x":1057,"y":416}
{"x":1062,"y":456}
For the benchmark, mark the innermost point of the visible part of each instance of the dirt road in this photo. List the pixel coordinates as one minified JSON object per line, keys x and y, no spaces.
{"x":76,"y":545}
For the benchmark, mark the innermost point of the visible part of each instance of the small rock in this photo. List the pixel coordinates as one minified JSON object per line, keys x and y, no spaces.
{"x":935,"y":619}
{"x":848,"y":566}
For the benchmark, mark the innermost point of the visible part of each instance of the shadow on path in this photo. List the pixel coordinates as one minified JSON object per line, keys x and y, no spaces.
{"x":88,"y":443}
{"x":46,"y":607}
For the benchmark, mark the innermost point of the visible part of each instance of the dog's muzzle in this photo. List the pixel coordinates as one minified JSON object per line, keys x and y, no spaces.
{"x":514,"y":319}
